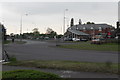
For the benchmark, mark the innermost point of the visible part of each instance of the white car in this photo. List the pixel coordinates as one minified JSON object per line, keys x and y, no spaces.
{"x":97,"y":41}
{"x":75,"y":39}
{"x":116,"y":37}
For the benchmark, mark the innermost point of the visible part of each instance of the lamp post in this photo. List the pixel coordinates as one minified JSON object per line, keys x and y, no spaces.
{"x":92,"y":32}
{"x":21,"y":26}
{"x":64,"y":21}
{"x":100,"y":30}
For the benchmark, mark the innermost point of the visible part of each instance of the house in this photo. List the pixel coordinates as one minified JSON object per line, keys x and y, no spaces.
{"x":89,"y":30}
{"x":73,"y":33}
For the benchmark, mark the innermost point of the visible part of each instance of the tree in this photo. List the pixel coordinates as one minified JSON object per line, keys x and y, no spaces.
{"x":50,"y":33}
{"x":72,"y":22}
{"x":59,"y":36}
{"x":36,"y":33}
{"x":118,"y":24}
{"x":80,"y":22}
{"x":49,"y":30}
{"x":90,"y":23}
{"x":11,"y":34}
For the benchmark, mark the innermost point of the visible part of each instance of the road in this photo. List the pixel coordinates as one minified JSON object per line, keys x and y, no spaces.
{"x":40,"y":50}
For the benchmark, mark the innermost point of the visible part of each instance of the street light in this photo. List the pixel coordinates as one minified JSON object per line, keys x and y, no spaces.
{"x":21,"y":26}
{"x":92,"y":32}
{"x":64,"y":21}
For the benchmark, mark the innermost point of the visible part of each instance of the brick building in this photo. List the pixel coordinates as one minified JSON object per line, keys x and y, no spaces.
{"x":89,"y":30}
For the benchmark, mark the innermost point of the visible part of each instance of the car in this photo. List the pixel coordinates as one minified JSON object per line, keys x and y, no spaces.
{"x":68,"y":39}
{"x":75,"y":39}
{"x":83,"y":39}
{"x":96,"y":41}
{"x":116,"y":37}
{"x":46,"y":38}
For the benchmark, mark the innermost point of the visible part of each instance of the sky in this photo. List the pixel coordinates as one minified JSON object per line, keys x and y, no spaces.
{"x":42,"y":15}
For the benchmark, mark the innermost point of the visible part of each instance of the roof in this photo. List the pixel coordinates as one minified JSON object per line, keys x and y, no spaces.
{"x":77,"y":32}
{"x":88,"y":26}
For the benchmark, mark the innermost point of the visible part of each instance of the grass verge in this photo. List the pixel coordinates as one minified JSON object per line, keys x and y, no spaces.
{"x":7,"y":42}
{"x":1,"y":74}
{"x":107,"y":67}
{"x":28,"y":74}
{"x":88,"y":46}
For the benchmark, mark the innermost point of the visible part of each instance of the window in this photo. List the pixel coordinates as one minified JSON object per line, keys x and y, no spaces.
{"x":100,"y":29}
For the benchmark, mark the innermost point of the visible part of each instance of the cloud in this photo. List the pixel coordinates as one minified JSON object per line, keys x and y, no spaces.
{"x":50,"y":14}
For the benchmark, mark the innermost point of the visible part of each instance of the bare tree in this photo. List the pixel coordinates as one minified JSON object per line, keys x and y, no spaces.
{"x":49,"y":30}
{"x":36,"y":32}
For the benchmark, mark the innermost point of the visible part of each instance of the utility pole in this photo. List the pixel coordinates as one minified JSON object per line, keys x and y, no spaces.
{"x":64,"y":21}
{"x":21,"y":26}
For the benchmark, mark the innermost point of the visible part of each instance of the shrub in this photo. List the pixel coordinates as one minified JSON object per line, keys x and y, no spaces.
{"x":28,"y":74}
{"x":12,"y":58}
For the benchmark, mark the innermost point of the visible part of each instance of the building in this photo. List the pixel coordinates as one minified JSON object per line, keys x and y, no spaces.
{"x":89,"y":30}
{"x":2,"y":32}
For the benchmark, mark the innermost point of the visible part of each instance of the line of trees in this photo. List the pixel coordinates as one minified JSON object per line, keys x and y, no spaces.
{"x":80,"y":22}
{"x":35,"y":34}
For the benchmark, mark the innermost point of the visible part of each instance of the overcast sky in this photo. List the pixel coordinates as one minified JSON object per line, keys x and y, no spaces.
{"x":50,"y":14}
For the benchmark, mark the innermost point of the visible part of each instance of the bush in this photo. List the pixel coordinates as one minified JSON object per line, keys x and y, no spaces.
{"x":28,"y":74}
{"x":12,"y":58}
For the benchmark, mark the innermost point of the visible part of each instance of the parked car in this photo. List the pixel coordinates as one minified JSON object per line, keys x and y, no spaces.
{"x":68,"y":39}
{"x":116,"y":37}
{"x":75,"y":39}
{"x":83,"y":39}
{"x":46,"y":38}
{"x":97,"y":41}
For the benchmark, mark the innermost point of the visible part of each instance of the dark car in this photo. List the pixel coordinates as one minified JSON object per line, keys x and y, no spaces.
{"x":84,"y":39}
{"x":68,"y":39}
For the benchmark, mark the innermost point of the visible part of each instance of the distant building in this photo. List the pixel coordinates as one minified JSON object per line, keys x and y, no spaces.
{"x":0,"y":32}
{"x":88,"y":30}
{"x":3,"y":31}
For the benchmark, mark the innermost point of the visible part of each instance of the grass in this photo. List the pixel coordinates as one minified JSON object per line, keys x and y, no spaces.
{"x":1,"y":74}
{"x":88,"y":46}
{"x":28,"y":74}
{"x":107,"y":67}
{"x":12,"y":58}
{"x":7,"y":42}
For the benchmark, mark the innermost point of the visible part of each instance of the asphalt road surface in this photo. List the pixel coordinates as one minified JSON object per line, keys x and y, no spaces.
{"x":40,"y":50}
